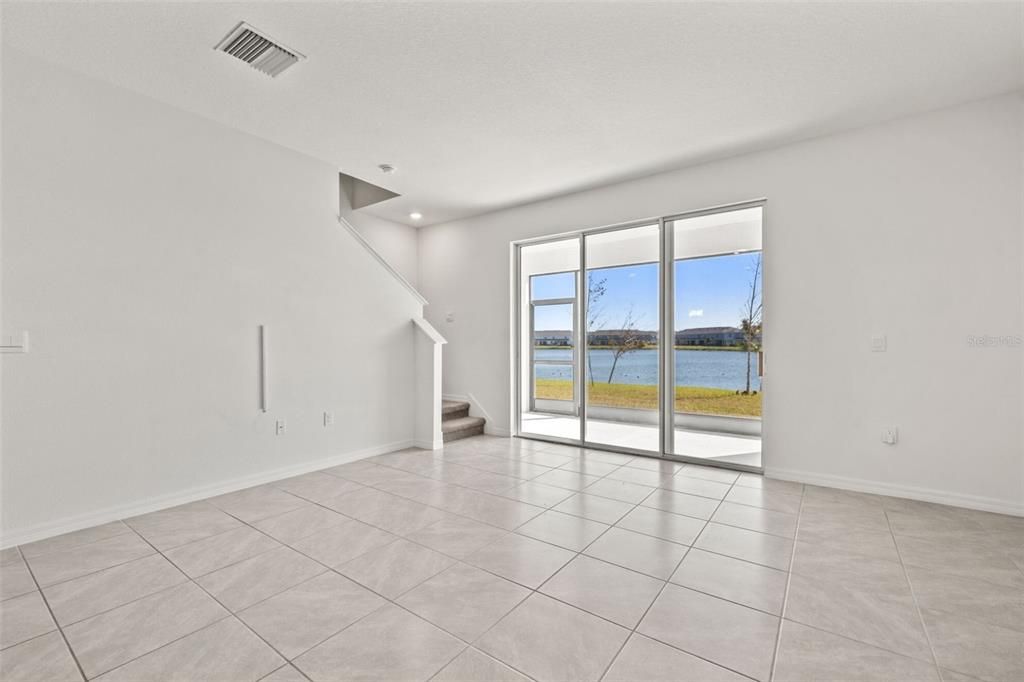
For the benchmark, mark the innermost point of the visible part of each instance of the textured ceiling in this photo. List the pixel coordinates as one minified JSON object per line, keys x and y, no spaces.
{"x":481,"y":106}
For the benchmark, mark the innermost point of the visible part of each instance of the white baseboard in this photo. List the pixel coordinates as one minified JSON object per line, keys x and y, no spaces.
{"x":495,"y":431}
{"x":428,"y":445}
{"x":123,"y":511}
{"x":989,"y":504}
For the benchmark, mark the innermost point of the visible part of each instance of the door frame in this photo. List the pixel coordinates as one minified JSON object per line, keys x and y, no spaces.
{"x":666,"y":341}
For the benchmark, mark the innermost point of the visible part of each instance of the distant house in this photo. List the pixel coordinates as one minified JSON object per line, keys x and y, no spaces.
{"x":613,"y":337}
{"x":552,"y":337}
{"x":710,"y":336}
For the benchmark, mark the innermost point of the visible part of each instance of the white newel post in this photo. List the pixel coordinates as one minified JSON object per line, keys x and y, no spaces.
{"x":428,"y":385}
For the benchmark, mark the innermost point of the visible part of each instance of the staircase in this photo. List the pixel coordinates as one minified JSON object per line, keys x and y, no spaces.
{"x":456,"y":422}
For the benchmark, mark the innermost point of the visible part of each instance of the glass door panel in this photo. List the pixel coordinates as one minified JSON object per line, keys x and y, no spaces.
{"x":621,"y":364}
{"x":549,"y":394}
{"x":717,"y":335}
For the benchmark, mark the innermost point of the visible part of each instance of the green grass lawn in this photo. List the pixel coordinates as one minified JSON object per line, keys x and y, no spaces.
{"x":688,"y":398}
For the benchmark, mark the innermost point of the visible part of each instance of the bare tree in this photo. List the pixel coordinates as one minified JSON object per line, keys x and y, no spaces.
{"x":751,"y":323}
{"x":595,"y":314}
{"x":628,"y":341}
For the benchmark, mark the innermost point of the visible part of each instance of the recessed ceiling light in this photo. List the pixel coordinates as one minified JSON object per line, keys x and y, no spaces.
{"x":386,"y":168}
{"x":416,"y":215}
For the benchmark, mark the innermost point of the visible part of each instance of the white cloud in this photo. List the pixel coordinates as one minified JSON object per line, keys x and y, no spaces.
{"x":697,"y":313}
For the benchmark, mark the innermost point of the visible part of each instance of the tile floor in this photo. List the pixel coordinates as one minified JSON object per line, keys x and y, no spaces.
{"x":500,"y":559}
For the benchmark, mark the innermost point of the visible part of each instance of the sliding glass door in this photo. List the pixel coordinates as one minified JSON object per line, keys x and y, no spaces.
{"x":621,"y":364}
{"x":645,"y":338}
{"x":717,"y":316}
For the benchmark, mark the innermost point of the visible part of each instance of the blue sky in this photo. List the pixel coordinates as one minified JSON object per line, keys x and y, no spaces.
{"x":710,"y":292}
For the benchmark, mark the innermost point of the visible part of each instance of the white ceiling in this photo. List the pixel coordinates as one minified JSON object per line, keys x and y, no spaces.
{"x":481,"y":106}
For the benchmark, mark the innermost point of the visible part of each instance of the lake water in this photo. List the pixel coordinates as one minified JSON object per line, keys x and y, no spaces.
{"x":713,"y":369}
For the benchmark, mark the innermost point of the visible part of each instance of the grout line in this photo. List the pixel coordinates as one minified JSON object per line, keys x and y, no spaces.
{"x":785,"y":593}
{"x":63,"y":636}
{"x":913,"y":595}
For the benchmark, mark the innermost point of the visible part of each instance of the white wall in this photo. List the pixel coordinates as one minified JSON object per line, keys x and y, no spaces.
{"x":395,"y":242}
{"x":911,"y":229}
{"x":142,"y":246}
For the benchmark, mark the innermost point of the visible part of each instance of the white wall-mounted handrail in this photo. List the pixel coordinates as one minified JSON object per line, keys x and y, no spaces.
{"x":380,"y":259}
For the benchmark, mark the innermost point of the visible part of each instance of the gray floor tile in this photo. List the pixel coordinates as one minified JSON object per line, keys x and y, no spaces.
{"x":389,"y":645}
{"x":652,"y":556}
{"x":15,"y":580}
{"x":83,"y":597}
{"x":697,"y":486}
{"x":759,"y":548}
{"x":606,"y":590}
{"x":464,"y":600}
{"x":113,"y":638}
{"x":709,"y":473}
{"x":457,"y":536}
{"x":521,"y":559}
{"x":600,"y":509}
{"x":878,"y":544}
{"x":765,"y":499}
{"x":623,"y":491}
{"x":253,"y":504}
{"x":472,"y":665}
{"x":772,"y":484}
{"x":43,"y":659}
{"x":74,"y":539}
{"x":755,"y":518}
{"x":226,"y":650}
{"x":11,"y":555}
{"x":564,"y":530}
{"x":342,"y":543}
{"x":22,"y":618}
{"x":386,"y":511}
{"x":809,"y":655}
{"x":645,"y":660}
{"x":646,"y":477}
{"x":974,"y":599}
{"x":682,"y":503}
{"x":538,"y":494}
{"x":210,"y":554}
{"x":849,"y":569}
{"x":55,"y":567}
{"x":753,"y":585}
{"x":549,"y":640}
{"x":886,"y":621}
{"x":593,"y":467}
{"x":247,"y":582}
{"x":724,"y":633}
{"x":971,"y":647}
{"x":395,"y":568}
{"x":292,"y":526}
{"x":317,"y":487}
{"x":662,"y":524}
{"x":965,"y":559}
{"x":303,"y":616}
{"x":286,"y":673}
{"x":180,"y":525}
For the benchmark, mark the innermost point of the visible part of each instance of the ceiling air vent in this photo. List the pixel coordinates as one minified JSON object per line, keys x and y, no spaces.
{"x":257,"y":50}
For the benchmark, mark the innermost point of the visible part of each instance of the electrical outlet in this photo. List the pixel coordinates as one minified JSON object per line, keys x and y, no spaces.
{"x":328,"y":419}
{"x":279,"y":427}
{"x":890,"y":435}
{"x":878,"y":344}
